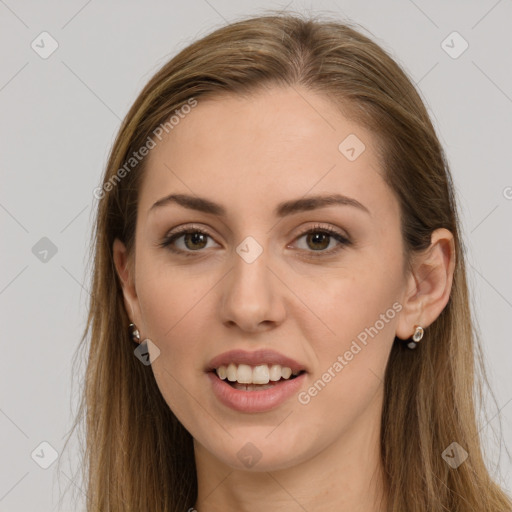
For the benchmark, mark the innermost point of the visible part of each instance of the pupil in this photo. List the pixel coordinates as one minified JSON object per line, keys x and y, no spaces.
{"x":325,"y":237}
{"x":194,"y":237}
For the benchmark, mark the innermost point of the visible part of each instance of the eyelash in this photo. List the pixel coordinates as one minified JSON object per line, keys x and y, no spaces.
{"x":343,"y":241}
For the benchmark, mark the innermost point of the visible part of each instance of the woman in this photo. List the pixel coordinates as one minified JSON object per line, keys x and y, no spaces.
{"x":279,"y":316}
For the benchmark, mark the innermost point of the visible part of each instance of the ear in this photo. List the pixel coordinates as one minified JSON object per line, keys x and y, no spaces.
{"x":428,"y":285}
{"x":125,"y":271}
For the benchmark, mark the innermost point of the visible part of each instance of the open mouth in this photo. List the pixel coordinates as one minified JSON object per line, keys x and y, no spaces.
{"x":256,"y":388}
{"x":244,"y":386}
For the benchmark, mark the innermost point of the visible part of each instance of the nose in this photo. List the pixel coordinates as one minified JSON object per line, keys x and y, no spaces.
{"x":252,"y":295}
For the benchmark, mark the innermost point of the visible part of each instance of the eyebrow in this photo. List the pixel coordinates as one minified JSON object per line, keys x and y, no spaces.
{"x":282,"y":210}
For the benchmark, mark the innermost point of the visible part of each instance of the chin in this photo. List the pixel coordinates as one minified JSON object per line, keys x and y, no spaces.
{"x":256,"y":450}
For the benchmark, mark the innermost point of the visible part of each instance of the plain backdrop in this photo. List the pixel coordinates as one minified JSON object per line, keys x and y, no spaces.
{"x":59,"y":117}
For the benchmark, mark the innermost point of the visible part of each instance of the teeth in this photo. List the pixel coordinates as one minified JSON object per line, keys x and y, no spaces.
{"x":221,"y":372}
{"x":261,"y":374}
{"x":252,"y":387}
{"x":275,"y":372}
{"x":286,"y":372}
{"x":230,"y":372}
{"x":244,"y":374}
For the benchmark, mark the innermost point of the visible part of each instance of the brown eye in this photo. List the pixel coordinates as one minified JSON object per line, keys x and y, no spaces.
{"x":194,"y":240}
{"x":186,"y":241}
{"x":318,"y":240}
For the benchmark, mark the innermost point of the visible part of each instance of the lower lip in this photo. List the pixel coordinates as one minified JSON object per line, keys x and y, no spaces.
{"x":255,"y":401}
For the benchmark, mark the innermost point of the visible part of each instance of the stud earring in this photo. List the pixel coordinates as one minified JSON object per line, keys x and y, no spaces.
{"x":134,"y":333}
{"x":416,"y":337}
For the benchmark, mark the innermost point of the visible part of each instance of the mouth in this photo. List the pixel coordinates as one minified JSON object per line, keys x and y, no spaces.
{"x":244,"y":377}
{"x":255,"y":381}
{"x":255,"y":397}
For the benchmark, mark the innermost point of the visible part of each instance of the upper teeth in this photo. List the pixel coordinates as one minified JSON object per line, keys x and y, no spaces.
{"x":261,"y":374}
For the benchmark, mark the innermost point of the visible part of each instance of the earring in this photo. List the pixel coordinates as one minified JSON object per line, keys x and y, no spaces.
{"x":416,"y":337}
{"x":134,"y":333}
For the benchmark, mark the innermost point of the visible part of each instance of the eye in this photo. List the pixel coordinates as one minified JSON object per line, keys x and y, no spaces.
{"x":188,"y":240}
{"x":320,"y":238}
{"x":193,"y":240}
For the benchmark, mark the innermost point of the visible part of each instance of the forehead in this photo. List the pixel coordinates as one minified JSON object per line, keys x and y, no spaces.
{"x":259,"y":150}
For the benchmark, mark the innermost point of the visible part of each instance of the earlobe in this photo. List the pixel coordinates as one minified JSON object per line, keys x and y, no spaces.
{"x":429,"y":284}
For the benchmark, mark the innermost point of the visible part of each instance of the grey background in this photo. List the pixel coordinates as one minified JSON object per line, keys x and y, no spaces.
{"x":59,"y":118}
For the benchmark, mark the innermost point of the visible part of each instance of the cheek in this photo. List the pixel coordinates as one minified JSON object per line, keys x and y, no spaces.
{"x":163,"y":301}
{"x":349,"y":374}
{"x":168,"y":294}
{"x":361,"y":309}
{"x":352,"y":300}
{"x":178,"y":315}
{"x":174,"y":313}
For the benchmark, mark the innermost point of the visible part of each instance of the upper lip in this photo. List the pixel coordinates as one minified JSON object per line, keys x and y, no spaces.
{"x":258,"y":357}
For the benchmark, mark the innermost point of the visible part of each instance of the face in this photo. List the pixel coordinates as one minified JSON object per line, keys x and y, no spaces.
{"x":319,"y":283}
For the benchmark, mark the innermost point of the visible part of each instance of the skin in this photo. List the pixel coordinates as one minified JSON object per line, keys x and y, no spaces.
{"x":249,"y":154}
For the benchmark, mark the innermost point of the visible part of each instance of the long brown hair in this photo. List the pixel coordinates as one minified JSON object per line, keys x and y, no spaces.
{"x":137,"y":455}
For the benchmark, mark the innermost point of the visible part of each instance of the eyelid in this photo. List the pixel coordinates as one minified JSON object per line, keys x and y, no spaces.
{"x":342,"y":239}
{"x":172,"y":235}
{"x":326,"y":228}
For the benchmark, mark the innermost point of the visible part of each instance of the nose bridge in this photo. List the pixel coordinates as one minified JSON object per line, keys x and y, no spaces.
{"x":250,"y":295}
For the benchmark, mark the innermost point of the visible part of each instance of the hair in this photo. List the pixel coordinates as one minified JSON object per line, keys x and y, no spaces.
{"x":138,"y":456}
